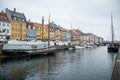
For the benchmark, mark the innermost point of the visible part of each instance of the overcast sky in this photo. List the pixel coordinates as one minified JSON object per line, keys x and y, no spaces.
{"x":86,"y":15}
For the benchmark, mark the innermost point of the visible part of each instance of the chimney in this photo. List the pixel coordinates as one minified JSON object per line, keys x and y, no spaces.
{"x":14,"y":9}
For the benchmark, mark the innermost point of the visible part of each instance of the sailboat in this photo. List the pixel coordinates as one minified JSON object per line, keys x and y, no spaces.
{"x":113,"y":46}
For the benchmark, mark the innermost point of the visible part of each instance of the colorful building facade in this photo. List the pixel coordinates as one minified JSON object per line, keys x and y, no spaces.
{"x":18,"y":24}
{"x":31,"y":31}
{"x":5,"y":27}
{"x":42,"y":31}
{"x":68,"y":36}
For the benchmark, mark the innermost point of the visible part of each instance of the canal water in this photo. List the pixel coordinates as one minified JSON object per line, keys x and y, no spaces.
{"x":85,"y":64}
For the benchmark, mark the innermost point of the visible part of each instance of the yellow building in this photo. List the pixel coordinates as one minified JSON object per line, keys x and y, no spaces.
{"x":18,"y":24}
{"x":82,"y":38}
{"x":45,"y":32}
{"x":57,"y":35}
{"x":42,"y":32}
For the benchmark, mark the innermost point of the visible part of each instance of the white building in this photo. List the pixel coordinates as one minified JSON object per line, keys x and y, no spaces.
{"x":5,"y":27}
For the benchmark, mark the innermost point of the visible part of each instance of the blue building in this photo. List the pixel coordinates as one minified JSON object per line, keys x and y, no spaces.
{"x":31,"y":31}
{"x":68,"y":36}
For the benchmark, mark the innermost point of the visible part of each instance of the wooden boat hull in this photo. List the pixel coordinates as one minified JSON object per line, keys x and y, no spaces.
{"x":30,"y":52}
{"x":113,"y":49}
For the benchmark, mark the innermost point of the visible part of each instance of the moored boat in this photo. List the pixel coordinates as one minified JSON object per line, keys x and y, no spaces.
{"x":77,"y":47}
{"x":113,"y":46}
{"x":14,"y":46}
{"x":72,"y":48}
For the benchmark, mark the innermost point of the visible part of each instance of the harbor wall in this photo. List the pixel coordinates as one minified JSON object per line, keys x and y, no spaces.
{"x":0,"y":48}
{"x":116,"y":71}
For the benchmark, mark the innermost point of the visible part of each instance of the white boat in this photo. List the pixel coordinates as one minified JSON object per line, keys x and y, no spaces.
{"x":77,"y":47}
{"x":23,"y":46}
{"x":71,"y":48}
{"x":88,"y":45}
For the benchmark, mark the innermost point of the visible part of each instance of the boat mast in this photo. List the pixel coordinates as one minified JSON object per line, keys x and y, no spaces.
{"x":42,"y":25}
{"x":71,"y":35}
{"x":112,"y":27}
{"x":89,"y":37}
{"x":49,"y":31}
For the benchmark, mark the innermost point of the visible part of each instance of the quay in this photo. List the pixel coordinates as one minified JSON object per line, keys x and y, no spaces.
{"x":116,"y":71}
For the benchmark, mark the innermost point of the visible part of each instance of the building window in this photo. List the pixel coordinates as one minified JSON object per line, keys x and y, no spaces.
{"x":4,"y":30}
{"x":29,"y":27}
{"x":34,"y":28}
{"x":12,"y":28}
{"x":7,"y":31}
{"x":19,"y":29}
{"x":24,"y":36}
{"x":3,"y":24}
{"x":14,"y":18}
{"x":12,"y":35}
{"x":18,"y":35}
{"x":7,"y":25}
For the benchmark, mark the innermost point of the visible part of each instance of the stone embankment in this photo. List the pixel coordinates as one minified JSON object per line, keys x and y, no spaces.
{"x":116,"y":71}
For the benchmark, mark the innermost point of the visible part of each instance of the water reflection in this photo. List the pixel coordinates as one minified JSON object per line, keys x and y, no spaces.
{"x":85,"y":64}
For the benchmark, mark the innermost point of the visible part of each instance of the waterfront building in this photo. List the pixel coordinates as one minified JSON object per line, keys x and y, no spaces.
{"x":101,"y":40}
{"x":88,"y":38}
{"x":57,"y":34}
{"x":63,"y":33}
{"x":82,"y":38}
{"x":5,"y":27}
{"x":91,"y":35}
{"x":95,"y":39}
{"x":18,"y":24}
{"x":74,"y":35}
{"x":68,"y":36}
{"x":79,"y":33}
{"x":85,"y":38}
{"x":42,"y":31}
{"x":31,"y":31}
{"x":53,"y":28}
{"x":92,"y":38}
{"x":38,"y":31}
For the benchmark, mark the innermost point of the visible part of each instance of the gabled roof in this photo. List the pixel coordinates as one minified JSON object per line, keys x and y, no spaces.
{"x":62,"y":29}
{"x":30,"y":23}
{"x":4,"y":17}
{"x":73,"y":32}
{"x":53,"y":25}
{"x":37,"y":25}
{"x":17,"y":15}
